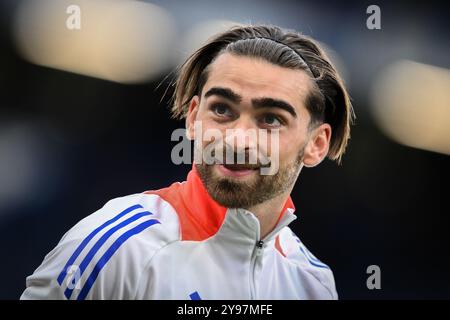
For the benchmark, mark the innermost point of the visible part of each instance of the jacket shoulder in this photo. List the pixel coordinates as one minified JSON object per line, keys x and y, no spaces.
{"x":103,"y":255}
{"x":297,"y":253}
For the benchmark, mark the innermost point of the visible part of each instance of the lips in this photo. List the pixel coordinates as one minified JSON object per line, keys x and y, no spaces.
{"x":236,"y":170}
{"x":240,"y":167}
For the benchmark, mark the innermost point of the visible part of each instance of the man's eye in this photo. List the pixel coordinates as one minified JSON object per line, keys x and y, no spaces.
{"x":271,"y":120}
{"x":221,"y":110}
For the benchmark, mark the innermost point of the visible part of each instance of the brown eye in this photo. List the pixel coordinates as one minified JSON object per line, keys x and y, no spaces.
{"x":222,"y":110}
{"x":271,"y":120}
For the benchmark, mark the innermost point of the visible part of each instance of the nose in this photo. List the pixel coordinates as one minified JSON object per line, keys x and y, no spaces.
{"x":243,"y":134}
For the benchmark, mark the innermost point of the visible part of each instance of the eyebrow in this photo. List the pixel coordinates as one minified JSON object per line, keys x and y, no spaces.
{"x":224,"y":93}
{"x":274,"y":103}
{"x":257,"y":103}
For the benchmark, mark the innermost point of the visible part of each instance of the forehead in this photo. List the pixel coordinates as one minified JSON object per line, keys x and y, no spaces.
{"x":253,"y":77}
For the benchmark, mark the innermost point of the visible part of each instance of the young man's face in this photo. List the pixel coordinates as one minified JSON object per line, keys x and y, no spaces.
{"x":242,"y":96}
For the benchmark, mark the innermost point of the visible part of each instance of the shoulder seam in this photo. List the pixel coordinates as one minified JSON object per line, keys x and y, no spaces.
{"x":311,"y":273}
{"x":315,"y":277}
{"x":180,"y":235}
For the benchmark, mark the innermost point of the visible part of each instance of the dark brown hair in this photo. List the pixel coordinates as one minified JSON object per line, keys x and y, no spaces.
{"x":328,"y":101}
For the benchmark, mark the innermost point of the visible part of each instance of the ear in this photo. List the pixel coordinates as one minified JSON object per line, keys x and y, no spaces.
{"x":191,"y":116}
{"x":318,"y":145}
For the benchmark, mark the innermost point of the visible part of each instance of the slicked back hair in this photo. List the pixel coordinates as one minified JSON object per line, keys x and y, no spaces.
{"x":328,"y":100}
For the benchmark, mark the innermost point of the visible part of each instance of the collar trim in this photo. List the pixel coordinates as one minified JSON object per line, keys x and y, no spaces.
{"x":199,"y":214}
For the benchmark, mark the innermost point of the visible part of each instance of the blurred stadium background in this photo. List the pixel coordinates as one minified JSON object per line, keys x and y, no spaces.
{"x":82,"y":121}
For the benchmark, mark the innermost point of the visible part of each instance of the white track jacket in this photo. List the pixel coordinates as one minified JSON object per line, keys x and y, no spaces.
{"x":178,"y":243}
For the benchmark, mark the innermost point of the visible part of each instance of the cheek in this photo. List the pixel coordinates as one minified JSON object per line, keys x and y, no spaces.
{"x":289,"y":148}
{"x":208,"y":132}
{"x":286,"y":154}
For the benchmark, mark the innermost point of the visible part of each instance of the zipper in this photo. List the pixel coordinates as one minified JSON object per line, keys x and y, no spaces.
{"x":255,"y":254}
{"x":258,"y":250}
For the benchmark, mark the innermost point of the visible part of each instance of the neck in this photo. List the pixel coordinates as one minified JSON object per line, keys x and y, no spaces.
{"x":268,"y":213}
{"x":207,"y":212}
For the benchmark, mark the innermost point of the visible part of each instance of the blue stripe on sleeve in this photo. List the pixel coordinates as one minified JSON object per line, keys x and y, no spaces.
{"x":88,"y":258}
{"x":316,"y":262}
{"x":83,"y":244}
{"x":110,"y":252}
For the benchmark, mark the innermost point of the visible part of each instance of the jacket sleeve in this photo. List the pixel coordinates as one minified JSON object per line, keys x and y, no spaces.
{"x":315,"y":274}
{"x":103,"y":256}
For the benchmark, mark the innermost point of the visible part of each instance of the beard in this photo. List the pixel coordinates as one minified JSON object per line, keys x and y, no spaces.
{"x":235,"y":193}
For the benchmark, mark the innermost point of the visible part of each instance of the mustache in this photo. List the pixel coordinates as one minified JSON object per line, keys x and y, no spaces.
{"x":226,"y":154}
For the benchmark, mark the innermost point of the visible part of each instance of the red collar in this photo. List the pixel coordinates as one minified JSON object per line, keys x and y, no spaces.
{"x":200,"y":215}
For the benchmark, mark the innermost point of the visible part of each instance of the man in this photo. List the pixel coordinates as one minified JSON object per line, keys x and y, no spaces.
{"x":222,"y":234}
